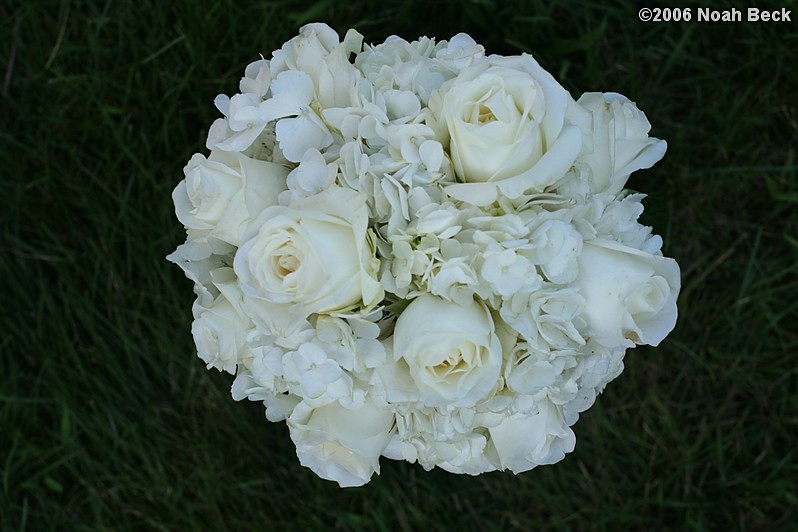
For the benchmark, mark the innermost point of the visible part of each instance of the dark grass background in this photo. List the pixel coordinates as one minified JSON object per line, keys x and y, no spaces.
{"x":108,"y":421}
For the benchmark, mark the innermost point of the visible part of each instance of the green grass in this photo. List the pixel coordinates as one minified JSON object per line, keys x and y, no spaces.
{"x":109,"y":422}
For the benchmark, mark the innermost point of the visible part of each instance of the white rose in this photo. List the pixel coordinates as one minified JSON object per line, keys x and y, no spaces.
{"x":341,"y":444}
{"x":630,"y":296}
{"x":506,"y":120}
{"x":220,"y":329}
{"x":452,"y":351}
{"x":523,"y":441}
{"x":222,"y":193}
{"x":616,"y":140}
{"x":315,"y":256}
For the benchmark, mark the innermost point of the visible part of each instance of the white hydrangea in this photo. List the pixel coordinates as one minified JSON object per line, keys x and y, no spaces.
{"x":421,"y":66}
{"x":318,"y":379}
{"x":451,"y":440}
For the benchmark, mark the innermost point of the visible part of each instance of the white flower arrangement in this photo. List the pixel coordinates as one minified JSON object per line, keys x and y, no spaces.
{"x":417,"y":251}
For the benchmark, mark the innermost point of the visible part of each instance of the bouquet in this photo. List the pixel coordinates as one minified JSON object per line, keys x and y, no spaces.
{"x":421,"y":252}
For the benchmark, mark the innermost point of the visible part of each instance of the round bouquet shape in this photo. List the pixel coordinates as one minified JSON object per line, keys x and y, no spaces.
{"x":421,"y":252}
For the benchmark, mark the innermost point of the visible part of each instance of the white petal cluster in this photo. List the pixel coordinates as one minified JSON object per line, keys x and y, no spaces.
{"x":418,"y":251}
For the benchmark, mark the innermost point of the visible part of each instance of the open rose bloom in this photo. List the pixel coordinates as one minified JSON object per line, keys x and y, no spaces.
{"x":418,"y":251}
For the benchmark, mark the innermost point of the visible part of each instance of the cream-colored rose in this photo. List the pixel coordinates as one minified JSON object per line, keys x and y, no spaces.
{"x":506,"y":121}
{"x":630,"y":295}
{"x":452,"y":351}
{"x":222,"y":193}
{"x":616,"y":140}
{"x":523,"y":441}
{"x":341,"y":444}
{"x":220,"y":329}
{"x":316,"y":256}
